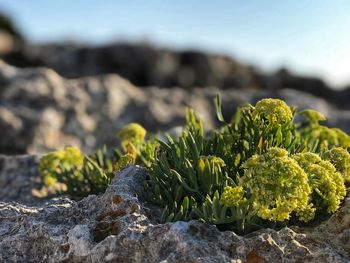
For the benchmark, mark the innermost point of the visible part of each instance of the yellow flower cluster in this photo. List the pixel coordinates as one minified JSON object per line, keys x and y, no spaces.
{"x":280,"y":212}
{"x":343,"y":138}
{"x":324,"y":181}
{"x":232,"y":196}
{"x":340,"y":158}
{"x":132,"y":133}
{"x":277,"y":184}
{"x":274,"y":110}
{"x":307,"y":213}
{"x":131,"y":137}
{"x":51,"y":163}
{"x":330,"y":136}
{"x":313,"y":116}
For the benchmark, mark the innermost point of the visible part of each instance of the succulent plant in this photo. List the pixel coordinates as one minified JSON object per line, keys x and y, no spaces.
{"x":69,"y":159}
{"x":85,"y":174}
{"x":322,"y":137}
{"x":249,"y":172}
{"x":259,"y":169}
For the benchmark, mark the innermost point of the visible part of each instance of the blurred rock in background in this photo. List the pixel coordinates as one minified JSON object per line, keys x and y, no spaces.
{"x":146,"y":65}
{"x":41,"y":111}
{"x":11,"y":40}
{"x":52,"y":95}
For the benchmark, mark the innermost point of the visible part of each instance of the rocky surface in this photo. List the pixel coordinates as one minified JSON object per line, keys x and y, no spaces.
{"x":41,"y":111}
{"x":18,"y":176}
{"x":117,"y":227}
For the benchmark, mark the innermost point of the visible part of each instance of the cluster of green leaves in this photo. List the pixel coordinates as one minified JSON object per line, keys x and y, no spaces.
{"x":261,"y":167}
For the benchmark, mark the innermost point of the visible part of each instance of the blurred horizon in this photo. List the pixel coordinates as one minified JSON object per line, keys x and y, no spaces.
{"x":306,"y":37}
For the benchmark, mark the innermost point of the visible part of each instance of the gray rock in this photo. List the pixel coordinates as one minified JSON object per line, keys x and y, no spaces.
{"x":7,"y":42}
{"x":41,"y":111}
{"x":18,"y":176}
{"x":146,"y":65}
{"x":117,"y":227}
{"x":142,"y":64}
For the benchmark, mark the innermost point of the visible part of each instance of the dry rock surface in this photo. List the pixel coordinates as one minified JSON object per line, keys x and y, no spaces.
{"x":116,"y":226}
{"x":42,"y":111}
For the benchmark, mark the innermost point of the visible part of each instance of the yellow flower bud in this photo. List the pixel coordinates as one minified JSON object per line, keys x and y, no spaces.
{"x":133,"y":133}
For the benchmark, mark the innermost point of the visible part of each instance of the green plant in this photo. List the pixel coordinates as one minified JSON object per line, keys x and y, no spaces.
{"x":276,"y":184}
{"x":136,"y":149}
{"x":326,"y":183}
{"x":91,"y":174}
{"x":321,"y":136}
{"x":70,"y":159}
{"x":260,"y":169}
{"x":340,"y":158}
{"x":81,"y":174}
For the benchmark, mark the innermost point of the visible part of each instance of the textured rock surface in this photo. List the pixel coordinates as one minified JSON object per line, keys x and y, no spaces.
{"x":116,"y":227}
{"x":18,"y":176}
{"x":40,"y":110}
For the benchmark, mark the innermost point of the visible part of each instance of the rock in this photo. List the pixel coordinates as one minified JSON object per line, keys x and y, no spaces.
{"x":42,"y":111}
{"x":11,"y":40}
{"x":142,"y":64}
{"x":7,"y":42}
{"x":117,"y":226}
{"x":147,"y":65}
{"x":18,"y":176}
{"x":9,"y":26}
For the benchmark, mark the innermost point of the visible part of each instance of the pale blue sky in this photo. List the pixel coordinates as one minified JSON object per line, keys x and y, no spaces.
{"x":309,"y":37}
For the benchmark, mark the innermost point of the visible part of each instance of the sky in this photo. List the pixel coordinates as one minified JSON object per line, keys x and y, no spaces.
{"x":308,"y":37}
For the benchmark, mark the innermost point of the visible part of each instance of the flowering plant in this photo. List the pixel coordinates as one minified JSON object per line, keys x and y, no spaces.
{"x":84,"y":174}
{"x":260,"y":169}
